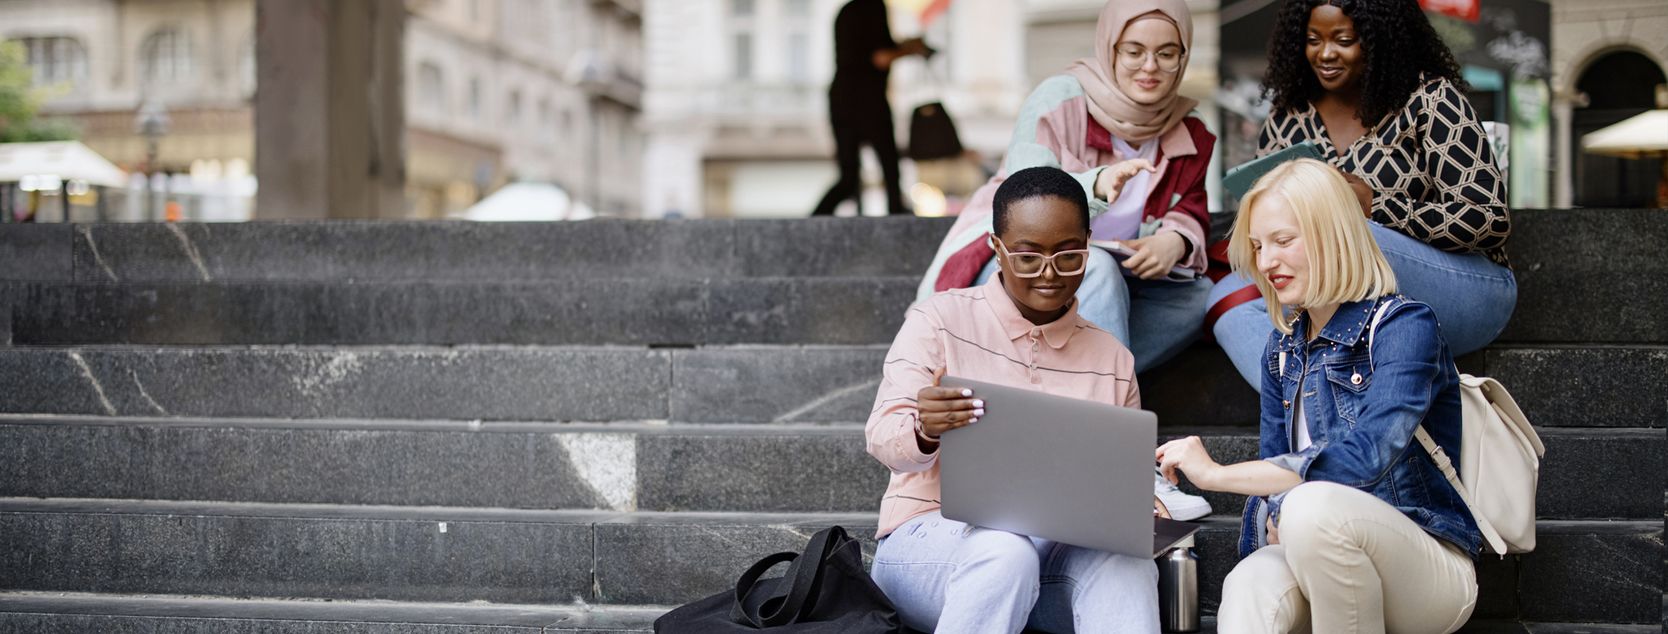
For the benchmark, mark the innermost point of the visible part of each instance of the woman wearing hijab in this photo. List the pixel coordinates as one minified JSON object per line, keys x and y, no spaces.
{"x":1116,"y":123}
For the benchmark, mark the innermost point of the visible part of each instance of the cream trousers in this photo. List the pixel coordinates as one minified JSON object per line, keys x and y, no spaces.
{"x":1348,"y":562}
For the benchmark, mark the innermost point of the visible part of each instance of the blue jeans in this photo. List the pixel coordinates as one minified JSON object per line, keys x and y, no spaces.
{"x":1472,"y":296}
{"x":946,"y":576}
{"x":1154,"y":319}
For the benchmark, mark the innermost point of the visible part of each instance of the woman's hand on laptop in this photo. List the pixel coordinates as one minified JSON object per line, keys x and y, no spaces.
{"x":942,"y":409}
{"x":1187,"y":455}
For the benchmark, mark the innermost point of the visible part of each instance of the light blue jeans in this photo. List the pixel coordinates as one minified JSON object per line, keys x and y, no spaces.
{"x":946,"y":576}
{"x":1154,"y":319}
{"x":1472,"y":296}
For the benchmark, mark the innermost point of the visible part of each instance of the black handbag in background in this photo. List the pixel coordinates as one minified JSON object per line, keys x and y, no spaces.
{"x":932,"y":134}
{"x":825,"y":590}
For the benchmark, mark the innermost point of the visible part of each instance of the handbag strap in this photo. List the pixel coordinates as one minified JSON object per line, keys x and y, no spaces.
{"x":750,"y":580}
{"x":1438,"y":455}
{"x":806,"y":571}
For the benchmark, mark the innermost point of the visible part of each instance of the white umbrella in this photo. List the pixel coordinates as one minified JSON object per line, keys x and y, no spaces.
{"x":528,"y":202}
{"x":1642,"y":136}
{"x":59,"y":161}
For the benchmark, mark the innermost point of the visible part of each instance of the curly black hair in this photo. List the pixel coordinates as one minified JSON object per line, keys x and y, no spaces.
{"x":1033,"y":182}
{"x":1399,"y":41}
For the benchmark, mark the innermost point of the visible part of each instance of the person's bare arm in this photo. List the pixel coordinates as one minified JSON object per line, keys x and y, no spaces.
{"x":1256,"y":477}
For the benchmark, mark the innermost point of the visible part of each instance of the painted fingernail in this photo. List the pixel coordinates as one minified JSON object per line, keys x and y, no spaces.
{"x":966,"y":393}
{"x":978,"y":412}
{"x":979,"y":403}
{"x":972,"y":420}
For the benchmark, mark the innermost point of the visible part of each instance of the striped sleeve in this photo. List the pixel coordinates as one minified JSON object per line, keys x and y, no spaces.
{"x":916,"y":354}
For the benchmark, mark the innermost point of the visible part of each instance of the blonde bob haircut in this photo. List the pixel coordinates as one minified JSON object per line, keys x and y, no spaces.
{"x":1345,"y":263}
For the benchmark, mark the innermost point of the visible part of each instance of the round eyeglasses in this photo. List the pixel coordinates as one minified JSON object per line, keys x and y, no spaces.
{"x":1135,"y":56}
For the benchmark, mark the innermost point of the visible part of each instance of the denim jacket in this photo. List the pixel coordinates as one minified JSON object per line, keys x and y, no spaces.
{"x":1362,"y":411}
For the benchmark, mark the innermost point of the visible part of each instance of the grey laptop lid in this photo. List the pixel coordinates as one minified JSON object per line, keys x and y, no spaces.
{"x":1065,"y":469}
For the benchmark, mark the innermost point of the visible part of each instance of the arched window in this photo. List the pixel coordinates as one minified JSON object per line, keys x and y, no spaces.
{"x":1616,"y":86}
{"x":165,"y":57}
{"x":431,"y":87}
{"x":56,"y":60}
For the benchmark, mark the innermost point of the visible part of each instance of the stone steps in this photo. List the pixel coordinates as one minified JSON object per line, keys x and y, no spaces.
{"x":564,"y":557}
{"x":618,"y":466}
{"x":665,"y":283}
{"x":350,"y":251}
{"x":368,"y":426}
{"x":77,"y":613}
{"x":664,"y":310}
{"x":636,"y":312}
{"x":722,"y":384}
{"x":74,"y":613}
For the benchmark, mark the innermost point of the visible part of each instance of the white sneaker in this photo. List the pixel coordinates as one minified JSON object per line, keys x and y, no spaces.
{"x":1183,"y":506}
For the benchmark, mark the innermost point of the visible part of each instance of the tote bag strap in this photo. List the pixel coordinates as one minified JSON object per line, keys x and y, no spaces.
{"x":805,"y":572}
{"x":749,"y":581}
{"x":1439,"y":456}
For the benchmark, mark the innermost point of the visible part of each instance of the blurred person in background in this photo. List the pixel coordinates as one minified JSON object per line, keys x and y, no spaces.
{"x":857,"y":105}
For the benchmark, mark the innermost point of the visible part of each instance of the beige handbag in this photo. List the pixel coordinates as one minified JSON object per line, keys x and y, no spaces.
{"x":1500,"y":458}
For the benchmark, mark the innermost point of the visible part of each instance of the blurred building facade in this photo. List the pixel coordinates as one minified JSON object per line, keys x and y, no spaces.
{"x":495,"y":90}
{"x":736,"y":108}
{"x":1609,"y":62}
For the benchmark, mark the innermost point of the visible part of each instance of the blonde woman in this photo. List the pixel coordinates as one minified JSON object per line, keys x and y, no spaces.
{"x":1350,"y":526}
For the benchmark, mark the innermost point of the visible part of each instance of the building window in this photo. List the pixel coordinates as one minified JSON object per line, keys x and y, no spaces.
{"x":431,"y":87}
{"x":741,"y":8}
{"x":798,"y":8}
{"x":55,"y":60}
{"x":165,"y":57}
{"x":512,"y":107}
{"x":547,"y":121}
{"x":742,"y":62}
{"x":474,"y":97}
{"x":246,"y":67}
{"x":799,"y":57}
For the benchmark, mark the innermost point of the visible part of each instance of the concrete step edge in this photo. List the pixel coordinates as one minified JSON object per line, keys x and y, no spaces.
{"x":554,"y":617}
{"x":1217,"y":522}
{"x":355,"y":610}
{"x":641,"y":427}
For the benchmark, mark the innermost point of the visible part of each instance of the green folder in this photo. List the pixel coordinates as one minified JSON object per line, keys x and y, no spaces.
{"x":1240,"y":179}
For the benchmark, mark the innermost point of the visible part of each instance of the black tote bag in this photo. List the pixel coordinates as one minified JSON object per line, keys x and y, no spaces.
{"x":825,"y":590}
{"x":932,"y":134}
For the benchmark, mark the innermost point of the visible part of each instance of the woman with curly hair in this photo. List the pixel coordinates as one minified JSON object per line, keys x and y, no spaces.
{"x":1371,"y":84}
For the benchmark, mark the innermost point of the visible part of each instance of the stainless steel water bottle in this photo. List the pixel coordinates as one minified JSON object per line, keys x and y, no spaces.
{"x":1178,"y":588}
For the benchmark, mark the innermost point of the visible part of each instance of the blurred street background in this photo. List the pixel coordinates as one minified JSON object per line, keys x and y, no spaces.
{"x":231,"y":110}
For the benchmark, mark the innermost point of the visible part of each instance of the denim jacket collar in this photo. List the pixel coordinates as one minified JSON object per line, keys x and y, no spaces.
{"x":1348,"y":325}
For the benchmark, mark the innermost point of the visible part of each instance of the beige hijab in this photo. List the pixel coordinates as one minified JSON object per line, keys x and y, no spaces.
{"x":1110,"y":107}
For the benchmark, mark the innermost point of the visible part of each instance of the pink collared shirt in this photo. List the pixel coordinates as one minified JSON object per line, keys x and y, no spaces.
{"x":978,"y":333}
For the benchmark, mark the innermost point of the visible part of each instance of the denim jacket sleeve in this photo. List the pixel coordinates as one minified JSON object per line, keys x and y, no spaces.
{"x":1273,"y":442}
{"x":1405,"y":353}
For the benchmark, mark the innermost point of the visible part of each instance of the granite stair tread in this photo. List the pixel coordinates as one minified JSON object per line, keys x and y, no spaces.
{"x":54,"y":612}
{"x":725,"y":384}
{"x":521,"y":556}
{"x":651,"y":466}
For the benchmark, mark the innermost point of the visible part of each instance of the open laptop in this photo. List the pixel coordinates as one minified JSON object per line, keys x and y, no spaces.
{"x":1069,"y":470}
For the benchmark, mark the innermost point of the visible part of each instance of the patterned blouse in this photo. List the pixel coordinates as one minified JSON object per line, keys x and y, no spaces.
{"x":1432,"y":170}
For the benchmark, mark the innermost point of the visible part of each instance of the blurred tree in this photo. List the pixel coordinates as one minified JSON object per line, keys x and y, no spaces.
{"x":20,"y":101}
